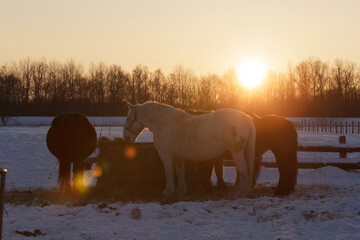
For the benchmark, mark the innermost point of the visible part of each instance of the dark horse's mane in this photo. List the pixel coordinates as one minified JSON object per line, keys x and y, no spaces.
{"x":71,"y":138}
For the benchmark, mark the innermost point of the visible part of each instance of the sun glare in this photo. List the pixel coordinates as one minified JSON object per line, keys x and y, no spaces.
{"x":251,"y":73}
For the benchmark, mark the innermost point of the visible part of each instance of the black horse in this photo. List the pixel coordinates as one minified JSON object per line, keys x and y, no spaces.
{"x":278,"y":135}
{"x":71,"y":138}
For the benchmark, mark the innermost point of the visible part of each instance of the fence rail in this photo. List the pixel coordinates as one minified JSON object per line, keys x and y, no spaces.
{"x":306,"y":165}
{"x":330,"y":126}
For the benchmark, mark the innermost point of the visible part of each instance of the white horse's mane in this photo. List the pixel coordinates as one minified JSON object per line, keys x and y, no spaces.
{"x":155,"y":111}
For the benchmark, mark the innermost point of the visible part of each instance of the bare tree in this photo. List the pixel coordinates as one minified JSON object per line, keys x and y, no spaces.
{"x":303,"y":80}
{"x":116,"y":81}
{"x":184,"y":82}
{"x":208,"y":91}
{"x":26,"y":71}
{"x":39,"y":77}
{"x":157,"y":82}
{"x":55,"y":86}
{"x":97,"y":82}
{"x":140,"y":83}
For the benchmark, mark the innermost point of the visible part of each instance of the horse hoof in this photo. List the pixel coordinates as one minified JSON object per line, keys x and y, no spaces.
{"x":221,"y":186}
{"x":240,"y":194}
{"x":181,"y":192}
{"x":283,"y":191}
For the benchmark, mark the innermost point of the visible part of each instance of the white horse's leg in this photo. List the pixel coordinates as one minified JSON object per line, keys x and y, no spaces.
{"x":242,"y":173}
{"x":180,"y":172}
{"x":169,"y":173}
{"x":250,"y":159}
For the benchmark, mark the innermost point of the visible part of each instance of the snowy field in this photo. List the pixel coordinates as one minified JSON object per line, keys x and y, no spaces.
{"x":119,"y":121}
{"x":326,"y":204}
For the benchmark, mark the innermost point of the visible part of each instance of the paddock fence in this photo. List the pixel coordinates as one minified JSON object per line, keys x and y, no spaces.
{"x":302,"y":165}
{"x":313,"y":165}
{"x":328,"y":126}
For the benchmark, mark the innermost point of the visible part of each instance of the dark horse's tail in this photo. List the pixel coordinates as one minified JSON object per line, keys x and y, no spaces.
{"x":257,"y":169}
{"x":56,"y":143}
{"x":64,"y":176}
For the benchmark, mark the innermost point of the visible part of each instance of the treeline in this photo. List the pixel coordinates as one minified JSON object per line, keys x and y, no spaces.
{"x":310,"y":88}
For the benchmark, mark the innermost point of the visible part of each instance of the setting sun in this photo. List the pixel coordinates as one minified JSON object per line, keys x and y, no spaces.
{"x":251,"y":73}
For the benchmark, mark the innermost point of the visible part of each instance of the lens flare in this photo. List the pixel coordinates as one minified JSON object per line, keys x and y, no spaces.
{"x":88,"y":179}
{"x":78,"y":180}
{"x":96,"y":171}
{"x":130,"y":152}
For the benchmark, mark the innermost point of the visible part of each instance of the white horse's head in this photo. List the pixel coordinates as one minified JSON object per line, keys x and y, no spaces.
{"x":133,"y":126}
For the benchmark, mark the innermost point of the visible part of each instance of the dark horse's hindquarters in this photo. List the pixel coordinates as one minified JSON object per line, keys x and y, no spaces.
{"x":71,"y":138}
{"x":278,"y":135}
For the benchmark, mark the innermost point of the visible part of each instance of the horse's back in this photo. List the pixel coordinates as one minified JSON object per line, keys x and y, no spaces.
{"x":233,"y":119}
{"x":277,"y":128}
{"x":203,"y":137}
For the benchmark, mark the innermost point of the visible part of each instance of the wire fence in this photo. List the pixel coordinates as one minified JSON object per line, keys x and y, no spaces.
{"x":329,"y":126}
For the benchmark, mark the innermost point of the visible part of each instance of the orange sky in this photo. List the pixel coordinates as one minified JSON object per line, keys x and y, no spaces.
{"x":206,"y":36}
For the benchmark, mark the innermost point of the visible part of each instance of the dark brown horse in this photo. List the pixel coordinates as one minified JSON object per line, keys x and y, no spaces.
{"x":278,"y":135}
{"x":136,"y":169}
{"x":71,"y":138}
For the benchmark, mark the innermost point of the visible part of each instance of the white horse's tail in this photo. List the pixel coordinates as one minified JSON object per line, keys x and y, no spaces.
{"x":250,"y":156}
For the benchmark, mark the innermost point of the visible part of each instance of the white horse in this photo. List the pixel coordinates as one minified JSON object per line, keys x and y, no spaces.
{"x":179,"y":136}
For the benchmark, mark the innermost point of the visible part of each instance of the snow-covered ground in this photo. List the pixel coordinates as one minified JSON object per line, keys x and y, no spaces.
{"x":46,"y":121}
{"x":326,"y":204}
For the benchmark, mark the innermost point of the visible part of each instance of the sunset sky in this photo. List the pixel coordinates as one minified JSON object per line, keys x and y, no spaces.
{"x":206,"y":36}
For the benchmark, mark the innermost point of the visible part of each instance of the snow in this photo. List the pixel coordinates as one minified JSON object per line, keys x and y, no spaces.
{"x":326,"y":204}
{"x":46,"y":121}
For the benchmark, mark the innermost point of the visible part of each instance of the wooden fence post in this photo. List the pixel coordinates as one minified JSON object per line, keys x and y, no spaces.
{"x":342,"y":140}
{"x":321,"y":126}
{"x":326,"y":127}
{"x":336,"y":127}
{"x":313,"y":126}
{"x":2,"y":194}
{"x":346,"y":130}
{"x":331,"y":126}
{"x":341,"y":128}
{"x":317,"y":125}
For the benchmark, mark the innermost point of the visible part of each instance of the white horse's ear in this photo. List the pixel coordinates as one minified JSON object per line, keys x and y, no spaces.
{"x":130,"y":106}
